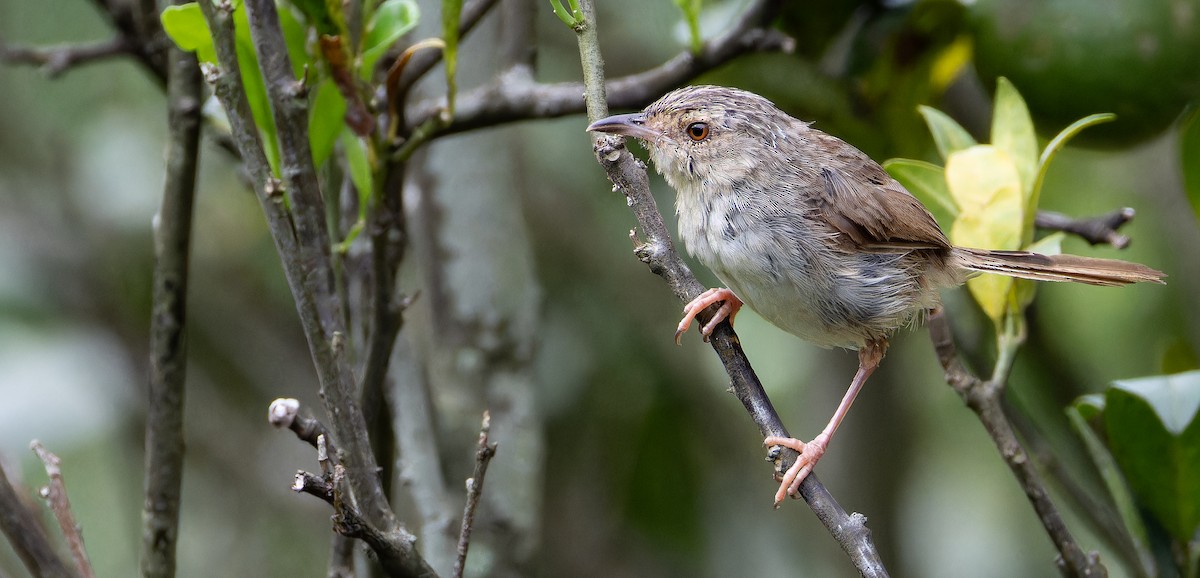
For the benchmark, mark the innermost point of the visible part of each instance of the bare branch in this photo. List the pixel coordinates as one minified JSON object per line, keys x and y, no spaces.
{"x":658,"y":252}
{"x":21,"y":526}
{"x":484,"y":452}
{"x":1097,"y":230}
{"x":168,"y":337}
{"x":984,"y":398}
{"x":303,"y":245}
{"x":55,"y":60}
{"x":285,"y":412}
{"x":55,"y":494}
{"x":515,"y":96}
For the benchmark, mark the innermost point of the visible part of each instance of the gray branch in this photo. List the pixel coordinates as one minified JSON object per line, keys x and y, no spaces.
{"x":168,"y":338}
{"x":984,"y":398}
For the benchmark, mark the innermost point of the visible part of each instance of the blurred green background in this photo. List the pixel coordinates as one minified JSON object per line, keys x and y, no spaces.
{"x":651,"y":468}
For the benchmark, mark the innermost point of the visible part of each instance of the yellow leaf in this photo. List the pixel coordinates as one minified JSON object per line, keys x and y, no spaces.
{"x":985,"y":183}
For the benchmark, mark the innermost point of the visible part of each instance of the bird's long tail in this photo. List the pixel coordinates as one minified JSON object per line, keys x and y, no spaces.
{"x":1040,"y":267}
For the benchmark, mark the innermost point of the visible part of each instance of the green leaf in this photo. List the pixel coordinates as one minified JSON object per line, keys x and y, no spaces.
{"x":1189,"y":150}
{"x":451,"y":10}
{"x":325,"y":120}
{"x":987,"y":188}
{"x":949,"y":136}
{"x":1087,"y":408}
{"x":571,"y":16}
{"x":1012,"y":131}
{"x":927,"y":182}
{"x":295,"y":35}
{"x":359,"y":162}
{"x":1056,"y":144}
{"x":189,"y":31}
{"x":1155,"y":437}
{"x":691,"y":14}
{"x":393,"y":19}
{"x":255,"y":87}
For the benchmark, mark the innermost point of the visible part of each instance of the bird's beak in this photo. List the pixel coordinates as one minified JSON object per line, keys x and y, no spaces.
{"x":633,"y":125}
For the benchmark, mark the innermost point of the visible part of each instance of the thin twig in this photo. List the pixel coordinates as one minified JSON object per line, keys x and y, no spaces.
{"x":658,"y":252}
{"x":1097,"y":230}
{"x":285,"y":412}
{"x":168,"y":337}
{"x":22,"y":527}
{"x":984,"y":398}
{"x":484,"y":452}
{"x":55,"y":493}
{"x":55,"y":60}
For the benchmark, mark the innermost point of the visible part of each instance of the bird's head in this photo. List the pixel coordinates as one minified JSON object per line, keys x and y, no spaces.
{"x":709,"y":135}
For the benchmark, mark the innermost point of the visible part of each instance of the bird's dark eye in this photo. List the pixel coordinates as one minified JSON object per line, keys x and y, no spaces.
{"x":698,"y":131}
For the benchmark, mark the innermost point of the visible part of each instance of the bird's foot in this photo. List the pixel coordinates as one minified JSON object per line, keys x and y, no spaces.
{"x":729,"y":309}
{"x":809,"y":454}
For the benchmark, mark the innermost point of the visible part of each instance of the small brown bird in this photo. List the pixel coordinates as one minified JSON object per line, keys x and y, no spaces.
{"x":812,"y":234}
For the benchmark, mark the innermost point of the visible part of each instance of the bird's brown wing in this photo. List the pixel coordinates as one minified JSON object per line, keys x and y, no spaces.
{"x":872,"y":210}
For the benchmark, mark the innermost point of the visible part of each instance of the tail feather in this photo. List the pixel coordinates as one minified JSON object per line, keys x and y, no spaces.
{"x":1026,"y":265}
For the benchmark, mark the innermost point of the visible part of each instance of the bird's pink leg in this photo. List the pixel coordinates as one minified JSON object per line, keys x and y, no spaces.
{"x":869,"y":357}
{"x":729,"y":309}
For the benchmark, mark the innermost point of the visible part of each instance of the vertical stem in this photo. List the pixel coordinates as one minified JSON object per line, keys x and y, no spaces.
{"x":168,"y":340}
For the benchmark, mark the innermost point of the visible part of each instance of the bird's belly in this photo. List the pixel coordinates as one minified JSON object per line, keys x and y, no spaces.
{"x":830,"y":300}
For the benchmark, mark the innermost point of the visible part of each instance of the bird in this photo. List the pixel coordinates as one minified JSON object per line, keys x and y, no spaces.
{"x":813,"y":235}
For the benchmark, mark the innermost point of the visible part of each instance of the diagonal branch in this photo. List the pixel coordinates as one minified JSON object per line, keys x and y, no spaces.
{"x":984,"y":398}
{"x":55,"y":494}
{"x":20,"y":523}
{"x":658,"y":252}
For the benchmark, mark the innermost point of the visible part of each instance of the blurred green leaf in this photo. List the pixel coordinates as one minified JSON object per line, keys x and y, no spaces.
{"x":393,"y":19}
{"x":189,"y":31}
{"x":451,"y":10}
{"x":949,"y":136}
{"x":321,"y":14}
{"x":987,"y":188}
{"x":295,"y":35}
{"x":1189,"y":150}
{"x":691,"y":14}
{"x":1012,"y":132}
{"x":256,"y":88}
{"x":358,"y":160}
{"x":1091,"y":407}
{"x":1155,"y":437}
{"x":325,"y":120}
{"x":927,"y":182}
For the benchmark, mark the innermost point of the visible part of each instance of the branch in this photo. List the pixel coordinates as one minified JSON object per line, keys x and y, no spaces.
{"x":55,"y":494}
{"x":285,"y":412}
{"x":658,"y":252}
{"x":984,"y":398}
{"x":28,"y":538}
{"x":168,"y":337}
{"x":484,"y":452}
{"x":55,"y":60}
{"x":1096,"y":230}
{"x":303,"y":246}
{"x":515,"y":96}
